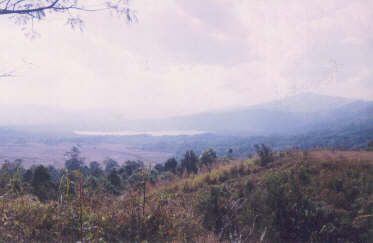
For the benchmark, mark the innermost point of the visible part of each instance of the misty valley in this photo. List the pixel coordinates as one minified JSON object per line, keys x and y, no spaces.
{"x":226,"y":183}
{"x":210,"y":121}
{"x":334,"y":123}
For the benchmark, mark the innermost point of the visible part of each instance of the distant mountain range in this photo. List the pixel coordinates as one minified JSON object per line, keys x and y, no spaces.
{"x":307,"y":102}
{"x":304,"y":121}
{"x":292,"y":115}
{"x":289,"y":116}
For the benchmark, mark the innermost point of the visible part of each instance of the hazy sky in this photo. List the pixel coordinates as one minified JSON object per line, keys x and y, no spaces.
{"x":187,"y":56}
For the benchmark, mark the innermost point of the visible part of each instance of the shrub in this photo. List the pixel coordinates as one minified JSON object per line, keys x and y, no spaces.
{"x":335,"y":184}
{"x":265,"y":154}
{"x":208,"y":157}
{"x":304,"y":176}
{"x":249,"y":186}
{"x":212,"y":206}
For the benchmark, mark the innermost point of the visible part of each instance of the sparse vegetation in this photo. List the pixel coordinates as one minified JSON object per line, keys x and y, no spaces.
{"x":265,"y":154}
{"x":301,"y":196}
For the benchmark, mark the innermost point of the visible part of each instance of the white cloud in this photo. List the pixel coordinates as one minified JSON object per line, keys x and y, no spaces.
{"x":192,"y":56}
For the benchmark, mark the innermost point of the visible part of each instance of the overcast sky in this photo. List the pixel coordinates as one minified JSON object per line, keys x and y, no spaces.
{"x":188,"y":56}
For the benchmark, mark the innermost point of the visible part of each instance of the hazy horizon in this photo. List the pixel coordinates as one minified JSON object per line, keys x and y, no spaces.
{"x":107,"y":121}
{"x":187,"y":57}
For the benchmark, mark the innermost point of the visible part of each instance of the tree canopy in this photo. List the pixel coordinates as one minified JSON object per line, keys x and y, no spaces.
{"x":74,"y":161}
{"x":171,"y":165}
{"x":110,"y":164}
{"x":208,"y":157}
{"x":190,"y":162}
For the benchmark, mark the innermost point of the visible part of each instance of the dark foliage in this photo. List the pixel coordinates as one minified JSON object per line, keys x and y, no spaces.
{"x":110,"y":164}
{"x":208,"y":157}
{"x":74,"y":161}
{"x":190,"y":162}
{"x":42,"y":184}
{"x":170,"y":165}
{"x":265,"y":154}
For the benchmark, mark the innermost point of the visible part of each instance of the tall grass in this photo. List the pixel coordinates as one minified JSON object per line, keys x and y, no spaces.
{"x":254,"y":202}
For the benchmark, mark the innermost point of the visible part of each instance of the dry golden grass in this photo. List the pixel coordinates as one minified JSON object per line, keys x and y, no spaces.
{"x":171,"y":213}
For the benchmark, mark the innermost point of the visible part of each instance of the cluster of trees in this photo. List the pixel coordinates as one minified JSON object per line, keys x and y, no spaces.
{"x":190,"y":163}
{"x":48,"y":182}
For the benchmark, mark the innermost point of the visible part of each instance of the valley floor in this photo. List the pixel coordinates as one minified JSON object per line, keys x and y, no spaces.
{"x":53,"y":154}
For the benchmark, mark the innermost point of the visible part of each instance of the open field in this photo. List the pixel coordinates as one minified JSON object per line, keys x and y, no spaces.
{"x":38,"y":153}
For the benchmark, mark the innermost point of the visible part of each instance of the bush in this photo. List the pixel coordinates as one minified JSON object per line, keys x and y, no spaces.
{"x":265,"y":154}
{"x":304,"y":176}
{"x":42,"y":184}
{"x":208,"y":157}
{"x":249,"y":186}
{"x":212,"y":206}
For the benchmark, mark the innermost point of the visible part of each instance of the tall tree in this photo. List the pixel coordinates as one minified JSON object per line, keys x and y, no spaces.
{"x":131,"y":167}
{"x":190,"y":162}
{"x":208,"y":157}
{"x":95,"y":168}
{"x":171,"y":165}
{"x":114,"y":178}
{"x":110,"y":164}
{"x":74,"y":161}
{"x":41,"y":176}
{"x":42,"y":184}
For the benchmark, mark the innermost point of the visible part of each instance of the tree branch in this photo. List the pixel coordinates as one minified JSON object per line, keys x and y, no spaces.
{"x":26,"y":11}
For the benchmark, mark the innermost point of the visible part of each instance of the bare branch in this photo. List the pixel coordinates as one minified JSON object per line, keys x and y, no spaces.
{"x":26,"y":10}
{"x":13,"y":7}
{"x":23,"y":12}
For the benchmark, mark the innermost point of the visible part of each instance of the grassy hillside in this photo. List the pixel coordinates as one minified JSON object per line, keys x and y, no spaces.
{"x":302,"y":196}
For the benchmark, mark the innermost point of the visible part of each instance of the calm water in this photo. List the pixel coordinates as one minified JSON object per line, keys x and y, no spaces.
{"x":131,"y":133}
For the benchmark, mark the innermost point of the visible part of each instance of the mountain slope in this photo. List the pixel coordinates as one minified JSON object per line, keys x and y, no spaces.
{"x":292,"y":115}
{"x":301,"y":196}
{"x":307,"y":102}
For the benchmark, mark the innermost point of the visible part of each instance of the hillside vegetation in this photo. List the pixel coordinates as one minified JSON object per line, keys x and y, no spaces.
{"x":295,"y":196}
